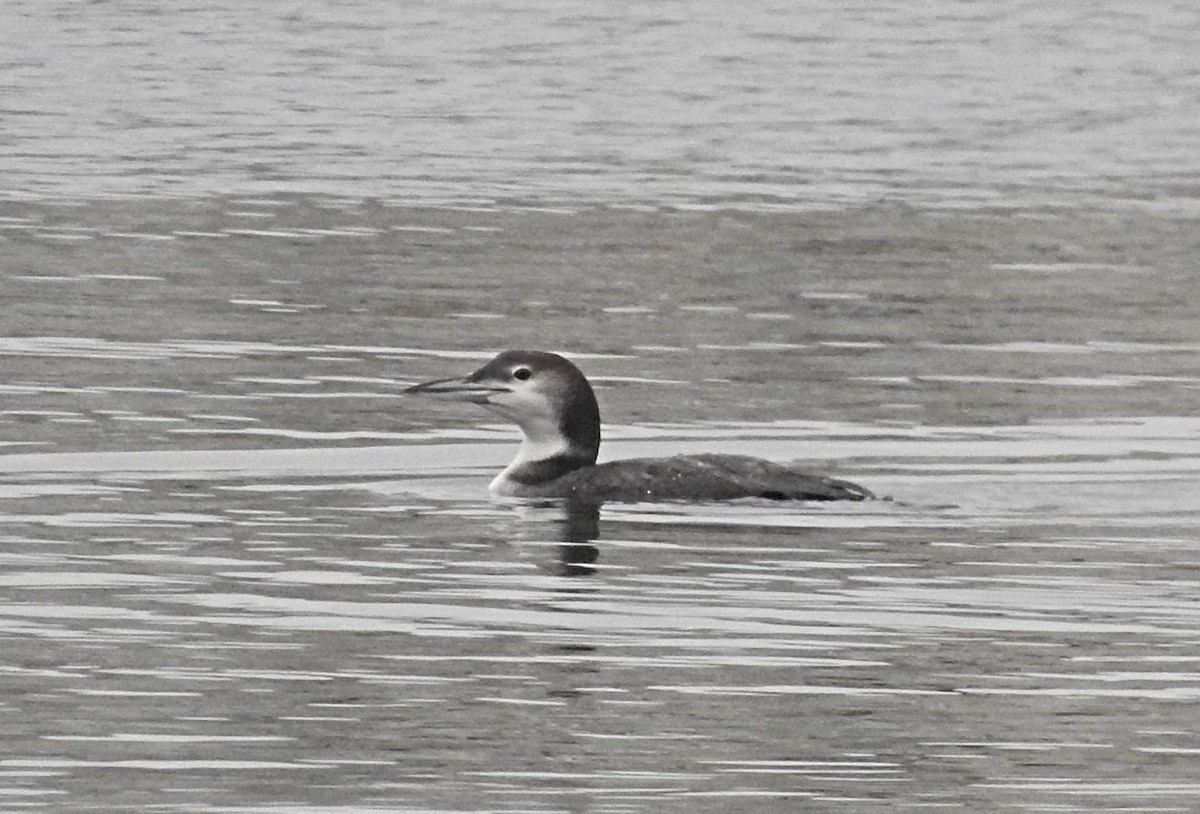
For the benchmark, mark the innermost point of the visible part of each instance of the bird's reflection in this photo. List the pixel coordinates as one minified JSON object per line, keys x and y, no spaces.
{"x":578,"y":528}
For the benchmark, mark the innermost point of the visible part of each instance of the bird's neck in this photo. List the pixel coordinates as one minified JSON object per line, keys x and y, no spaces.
{"x":555,"y":442}
{"x":545,"y":457}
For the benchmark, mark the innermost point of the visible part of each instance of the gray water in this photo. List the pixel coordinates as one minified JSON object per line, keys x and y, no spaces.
{"x":761,"y":103}
{"x":944,"y":250}
{"x":242,"y":573}
{"x":359,"y":630}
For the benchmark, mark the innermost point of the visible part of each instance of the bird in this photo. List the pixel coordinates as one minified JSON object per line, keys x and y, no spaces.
{"x":553,"y":404}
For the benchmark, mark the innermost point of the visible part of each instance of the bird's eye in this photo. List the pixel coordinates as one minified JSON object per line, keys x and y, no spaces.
{"x":522,"y":373}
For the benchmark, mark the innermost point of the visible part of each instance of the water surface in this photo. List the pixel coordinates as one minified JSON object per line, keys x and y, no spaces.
{"x":243,"y":573}
{"x":763,"y":104}
{"x":947,"y":251}
{"x":359,"y":627}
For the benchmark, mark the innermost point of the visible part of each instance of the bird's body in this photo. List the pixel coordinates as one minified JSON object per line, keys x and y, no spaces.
{"x":690,"y":477}
{"x":553,"y":404}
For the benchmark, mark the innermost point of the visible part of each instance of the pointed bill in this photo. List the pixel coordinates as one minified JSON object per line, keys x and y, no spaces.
{"x":456,"y":390}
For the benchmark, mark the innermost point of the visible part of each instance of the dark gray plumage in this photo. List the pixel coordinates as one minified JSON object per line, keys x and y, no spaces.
{"x":694,"y":477}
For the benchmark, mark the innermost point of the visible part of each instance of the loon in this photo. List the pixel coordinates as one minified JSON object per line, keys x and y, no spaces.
{"x":552,"y":402}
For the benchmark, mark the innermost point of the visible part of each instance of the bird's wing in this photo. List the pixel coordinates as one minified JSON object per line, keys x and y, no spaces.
{"x":702,"y":478}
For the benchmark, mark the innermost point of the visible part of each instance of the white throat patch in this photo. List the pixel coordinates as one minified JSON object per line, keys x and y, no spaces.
{"x":542,"y":439}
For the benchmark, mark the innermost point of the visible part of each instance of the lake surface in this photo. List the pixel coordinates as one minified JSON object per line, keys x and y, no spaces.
{"x":759,"y":103}
{"x":359,"y":630}
{"x":242,"y":573}
{"x":947,"y":252}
